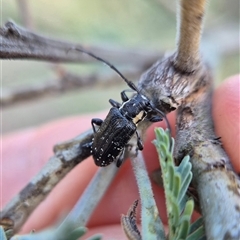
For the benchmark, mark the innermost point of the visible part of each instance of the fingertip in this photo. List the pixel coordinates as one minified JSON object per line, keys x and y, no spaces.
{"x":226,"y":113}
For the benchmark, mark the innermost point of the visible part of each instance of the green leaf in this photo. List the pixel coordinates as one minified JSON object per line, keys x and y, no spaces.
{"x":184,"y":186}
{"x":197,"y":230}
{"x":77,"y":233}
{"x":175,"y":213}
{"x":176,"y":184}
{"x":184,"y":165}
{"x":188,"y":208}
{"x":198,"y":223}
{"x":182,"y":203}
{"x":171,"y":177}
{"x":96,"y":237}
{"x":183,"y":229}
{"x":197,"y":234}
{"x":176,"y":180}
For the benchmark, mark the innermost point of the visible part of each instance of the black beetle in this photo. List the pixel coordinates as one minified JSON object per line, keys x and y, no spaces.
{"x":113,"y":134}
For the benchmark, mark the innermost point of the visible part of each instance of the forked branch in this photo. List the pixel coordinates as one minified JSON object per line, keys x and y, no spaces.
{"x":183,"y":81}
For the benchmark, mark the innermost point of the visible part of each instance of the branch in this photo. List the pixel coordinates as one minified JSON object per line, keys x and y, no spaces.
{"x":19,"y":43}
{"x":188,"y":87}
{"x":67,"y":82}
{"x":213,"y":175}
{"x":67,"y":156}
{"x":82,"y":211}
{"x":152,"y":226}
{"x":190,"y":31}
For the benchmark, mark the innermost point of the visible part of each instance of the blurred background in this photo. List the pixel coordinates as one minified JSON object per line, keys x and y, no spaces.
{"x":138,"y":25}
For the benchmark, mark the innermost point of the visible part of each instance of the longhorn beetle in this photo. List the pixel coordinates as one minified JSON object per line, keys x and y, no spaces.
{"x":113,"y":134}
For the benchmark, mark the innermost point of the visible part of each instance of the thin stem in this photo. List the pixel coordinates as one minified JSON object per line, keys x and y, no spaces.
{"x":67,"y":156}
{"x":65,"y":83}
{"x":82,"y":211}
{"x":19,"y":43}
{"x":152,"y":226}
{"x":190,"y":31}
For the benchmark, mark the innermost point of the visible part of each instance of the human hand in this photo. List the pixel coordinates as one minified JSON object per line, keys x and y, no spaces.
{"x":24,"y":154}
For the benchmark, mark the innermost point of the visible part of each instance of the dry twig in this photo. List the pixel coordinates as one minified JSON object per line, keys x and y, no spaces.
{"x":67,"y":82}
{"x":19,"y":43}
{"x":182,"y":81}
{"x":67,"y":156}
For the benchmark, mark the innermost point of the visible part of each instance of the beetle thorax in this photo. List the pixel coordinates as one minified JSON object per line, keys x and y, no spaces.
{"x":135,"y":109}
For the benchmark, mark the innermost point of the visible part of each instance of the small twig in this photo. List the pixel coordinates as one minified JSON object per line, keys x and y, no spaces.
{"x":67,"y":82}
{"x":53,"y":233}
{"x":152,"y":227}
{"x":67,"y":156}
{"x":82,"y":211}
{"x":19,"y":43}
{"x":191,"y":20}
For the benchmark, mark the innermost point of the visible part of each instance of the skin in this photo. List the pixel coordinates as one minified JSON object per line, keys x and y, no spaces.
{"x":25,"y":152}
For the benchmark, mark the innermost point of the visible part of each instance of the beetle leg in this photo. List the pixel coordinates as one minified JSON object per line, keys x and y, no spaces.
{"x":139,"y":142}
{"x":120,"y":158}
{"x":124,"y":96}
{"x":115,"y":103}
{"x":155,"y":119}
{"x":96,"y":121}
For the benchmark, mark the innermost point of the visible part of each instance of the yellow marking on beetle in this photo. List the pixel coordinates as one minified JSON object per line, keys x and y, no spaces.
{"x":139,"y":117}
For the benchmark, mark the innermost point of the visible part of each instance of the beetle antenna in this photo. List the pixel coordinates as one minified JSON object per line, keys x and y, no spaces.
{"x":129,"y":83}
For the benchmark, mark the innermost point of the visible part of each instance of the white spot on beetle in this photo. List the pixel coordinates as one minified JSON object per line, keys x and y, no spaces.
{"x":144,"y":97}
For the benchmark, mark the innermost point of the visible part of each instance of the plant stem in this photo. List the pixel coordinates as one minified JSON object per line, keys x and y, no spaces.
{"x":152,"y":226}
{"x":82,"y":211}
